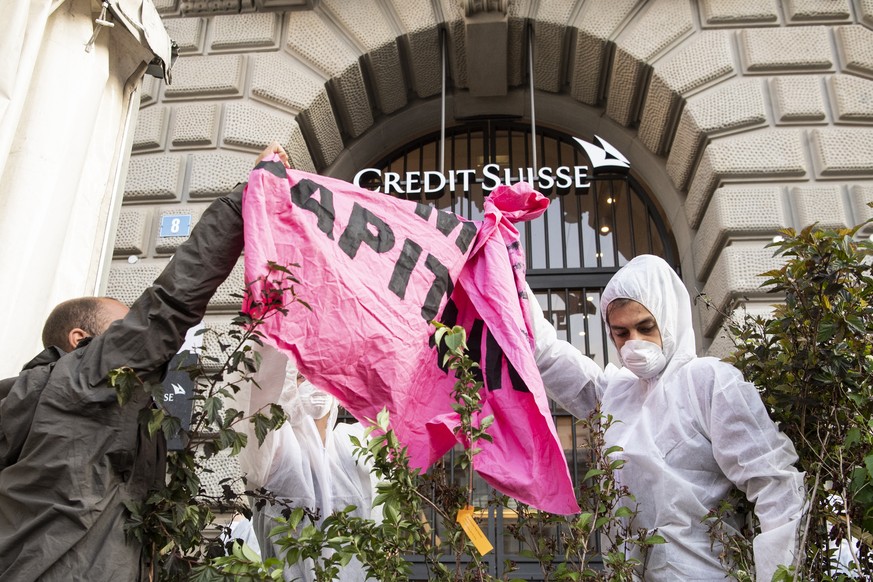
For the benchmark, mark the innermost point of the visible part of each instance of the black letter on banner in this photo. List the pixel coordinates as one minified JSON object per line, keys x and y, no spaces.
{"x":423,"y":211}
{"x":494,"y":358}
{"x":474,"y":343}
{"x":358,"y":231}
{"x":449,"y":319}
{"x":404,"y":267}
{"x":301,"y":195}
{"x":442,"y":285}
{"x":275,"y":168}
{"x":446,"y":223}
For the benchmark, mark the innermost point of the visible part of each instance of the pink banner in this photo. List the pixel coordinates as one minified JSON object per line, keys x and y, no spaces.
{"x":376,"y":271}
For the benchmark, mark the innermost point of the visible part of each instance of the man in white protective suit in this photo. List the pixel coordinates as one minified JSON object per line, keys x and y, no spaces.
{"x":691,"y":429}
{"x":308,"y":462}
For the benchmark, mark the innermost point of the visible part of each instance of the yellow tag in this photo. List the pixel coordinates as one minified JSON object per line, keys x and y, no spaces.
{"x":473,"y":531}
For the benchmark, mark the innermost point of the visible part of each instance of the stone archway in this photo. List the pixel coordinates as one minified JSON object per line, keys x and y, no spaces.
{"x":745,"y":117}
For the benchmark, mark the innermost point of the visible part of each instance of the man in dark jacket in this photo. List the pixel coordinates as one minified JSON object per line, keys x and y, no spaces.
{"x":70,"y":456}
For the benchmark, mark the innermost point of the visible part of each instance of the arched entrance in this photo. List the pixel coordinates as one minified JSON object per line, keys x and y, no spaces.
{"x":593,"y":227}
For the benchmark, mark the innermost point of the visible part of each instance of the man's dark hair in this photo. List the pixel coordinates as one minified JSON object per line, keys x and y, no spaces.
{"x":86,"y":313}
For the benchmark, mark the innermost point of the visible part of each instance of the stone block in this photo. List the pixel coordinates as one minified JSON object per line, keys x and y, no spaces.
{"x":822,"y":205}
{"x":596,"y":24}
{"x":865,"y":8}
{"x":165,"y":6}
{"x":624,"y":91}
{"x":705,"y":116}
{"x":365,"y":22}
{"x":253,"y":127}
{"x":423,"y":39}
{"x":852,"y":98}
{"x":838,"y":151}
{"x":817,"y":11}
{"x":739,"y":12}
{"x":762,"y":155}
{"x":207,"y":76}
{"x":299,"y":155}
{"x":187,"y":32}
{"x":216,"y":174}
{"x":130,"y":233}
{"x":455,"y":27}
{"x":224,"y":299}
{"x":167,"y":245}
{"x":736,"y":275}
{"x":425,"y":62}
{"x":798,"y":99}
{"x":238,"y":32}
{"x":723,"y":344}
{"x":278,"y":82}
{"x":702,"y":60}
{"x":768,"y":50}
{"x":661,"y":25}
{"x":737,"y":212}
{"x":516,"y":57}
{"x":127,"y":282}
{"x":353,"y":105}
{"x":195,"y":125}
{"x":362,"y":20}
{"x":321,"y":131}
{"x":151,"y":129}
{"x":217,"y":328}
{"x":314,"y":43}
{"x":389,"y":85}
{"x":855,"y":46}
{"x":860,"y":196}
{"x":148,"y":90}
{"x":151,"y":178}
{"x":216,"y":469}
{"x":487,"y":44}
{"x":550,"y":31}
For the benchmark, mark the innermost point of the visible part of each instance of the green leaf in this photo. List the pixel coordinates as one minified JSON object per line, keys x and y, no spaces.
{"x":623,"y":512}
{"x":157,"y":418}
{"x":212,"y":408}
{"x":592,"y":473}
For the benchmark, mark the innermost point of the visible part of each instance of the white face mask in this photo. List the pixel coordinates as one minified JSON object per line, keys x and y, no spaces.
{"x":315,"y":402}
{"x":645,"y":359}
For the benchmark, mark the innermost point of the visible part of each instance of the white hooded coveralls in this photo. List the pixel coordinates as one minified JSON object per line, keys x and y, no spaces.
{"x":689,"y":435}
{"x":294,"y":464}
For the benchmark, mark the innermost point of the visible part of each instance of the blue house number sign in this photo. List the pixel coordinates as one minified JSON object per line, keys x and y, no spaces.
{"x":176,"y":225}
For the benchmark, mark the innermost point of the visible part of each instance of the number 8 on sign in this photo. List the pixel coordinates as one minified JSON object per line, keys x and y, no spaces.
{"x":175,"y":225}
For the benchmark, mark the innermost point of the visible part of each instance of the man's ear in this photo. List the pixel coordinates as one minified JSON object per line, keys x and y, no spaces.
{"x":75,"y":335}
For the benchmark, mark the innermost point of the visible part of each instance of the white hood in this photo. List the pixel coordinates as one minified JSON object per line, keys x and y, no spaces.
{"x":650,"y":281}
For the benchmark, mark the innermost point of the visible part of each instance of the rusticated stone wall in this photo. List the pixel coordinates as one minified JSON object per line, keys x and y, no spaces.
{"x":745,"y":116}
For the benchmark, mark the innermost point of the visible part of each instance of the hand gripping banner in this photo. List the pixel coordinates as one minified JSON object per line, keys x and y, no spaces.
{"x":376,"y":271}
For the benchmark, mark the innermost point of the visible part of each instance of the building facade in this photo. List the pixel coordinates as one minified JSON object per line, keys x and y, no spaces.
{"x":736,"y":118}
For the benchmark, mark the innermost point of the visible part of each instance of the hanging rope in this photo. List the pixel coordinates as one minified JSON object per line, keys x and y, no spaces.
{"x":533,"y":112}
{"x":443,"y":105}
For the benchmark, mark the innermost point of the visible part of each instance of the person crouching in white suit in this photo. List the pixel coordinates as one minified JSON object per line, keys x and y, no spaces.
{"x":308,"y":462}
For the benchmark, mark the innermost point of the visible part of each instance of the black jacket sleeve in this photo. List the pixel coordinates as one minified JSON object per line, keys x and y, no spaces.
{"x":154,"y":330}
